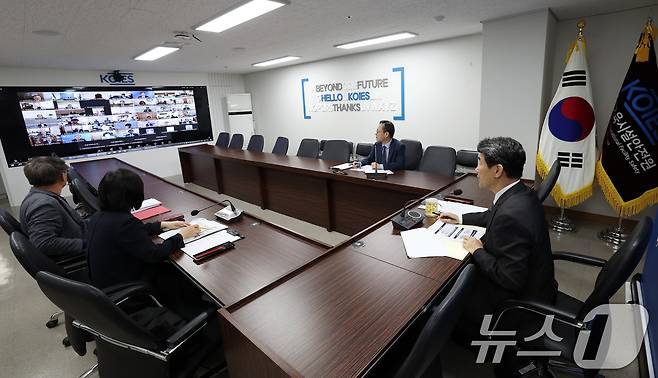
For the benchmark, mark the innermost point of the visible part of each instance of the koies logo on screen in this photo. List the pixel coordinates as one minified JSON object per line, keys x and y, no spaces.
{"x":118,"y":78}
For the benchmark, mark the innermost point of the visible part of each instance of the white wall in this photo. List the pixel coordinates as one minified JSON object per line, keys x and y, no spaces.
{"x":162,"y":161}
{"x":611,"y":41}
{"x":442,"y":84}
{"x":514,"y":66}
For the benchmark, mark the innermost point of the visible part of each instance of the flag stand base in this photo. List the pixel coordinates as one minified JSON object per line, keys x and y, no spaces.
{"x":615,"y":236}
{"x":562,"y":223}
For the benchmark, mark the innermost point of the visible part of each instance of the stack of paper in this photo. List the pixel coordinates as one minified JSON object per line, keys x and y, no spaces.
{"x":208,"y":242}
{"x":440,"y":239}
{"x":147,"y":204}
{"x":207,"y":227}
{"x":342,"y":167}
{"x":370,"y":169}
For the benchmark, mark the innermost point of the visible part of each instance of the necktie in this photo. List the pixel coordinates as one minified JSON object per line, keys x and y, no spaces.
{"x":384,"y":158}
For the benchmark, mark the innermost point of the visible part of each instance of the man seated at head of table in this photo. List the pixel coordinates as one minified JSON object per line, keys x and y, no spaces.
{"x":388,"y":152}
{"x":46,"y":218}
{"x":514,"y":257}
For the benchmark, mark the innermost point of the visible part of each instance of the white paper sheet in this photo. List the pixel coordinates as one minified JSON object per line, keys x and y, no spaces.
{"x":343,"y":166}
{"x":455,"y":231}
{"x":369,"y":169}
{"x":420,"y":242}
{"x":208,"y":242}
{"x":207,"y":227}
{"x":459,"y":208}
{"x":147,"y":204}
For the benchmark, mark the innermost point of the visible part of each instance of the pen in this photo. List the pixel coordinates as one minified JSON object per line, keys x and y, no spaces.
{"x":437,"y":231}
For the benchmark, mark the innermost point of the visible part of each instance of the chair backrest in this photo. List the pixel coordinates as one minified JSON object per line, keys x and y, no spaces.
{"x":30,"y":258}
{"x":413,"y":153}
{"x":223,"y":139}
{"x":467,"y":161}
{"x":439,"y":160}
{"x":363,"y":149}
{"x":9,"y":223}
{"x":338,"y":150}
{"x":256,"y":143}
{"x":309,"y":148}
{"x":280,"y":146}
{"x":93,"y":308}
{"x":544,"y":189}
{"x":438,"y":328}
{"x":619,"y":267}
{"x":237,"y":141}
{"x":85,"y":195}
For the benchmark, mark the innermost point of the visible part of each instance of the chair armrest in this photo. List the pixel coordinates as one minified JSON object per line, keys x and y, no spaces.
{"x":120,"y":292}
{"x":186,"y":331}
{"x":538,"y":308}
{"x":578,"y":258}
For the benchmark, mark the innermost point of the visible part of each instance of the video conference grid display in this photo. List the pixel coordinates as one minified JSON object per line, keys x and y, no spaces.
{"x":53,"y":118}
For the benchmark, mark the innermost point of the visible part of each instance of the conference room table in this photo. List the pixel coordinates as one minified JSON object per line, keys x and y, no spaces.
{"x":266,"y":253}
{"x":345,"y":313}
{"x":305,"y":188}
{"x":292,"y":306}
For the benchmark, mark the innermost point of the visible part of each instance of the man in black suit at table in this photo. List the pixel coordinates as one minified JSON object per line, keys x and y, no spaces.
{"x":514,"y":257}
{"x":388,"y":152}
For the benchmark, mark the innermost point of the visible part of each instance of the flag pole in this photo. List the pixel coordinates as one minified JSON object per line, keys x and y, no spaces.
{"x":562,"y":223}
{"x":615,"y":236}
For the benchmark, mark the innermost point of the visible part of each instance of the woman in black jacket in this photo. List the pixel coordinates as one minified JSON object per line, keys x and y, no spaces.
{"x":120,"y":246}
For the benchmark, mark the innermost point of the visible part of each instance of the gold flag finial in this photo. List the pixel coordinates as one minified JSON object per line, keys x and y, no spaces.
{"x":581,"y":26}
{"x":643,"y":45}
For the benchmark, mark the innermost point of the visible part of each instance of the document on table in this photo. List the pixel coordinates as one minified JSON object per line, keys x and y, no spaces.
{"x":343,"y":166}
{"x":370,"y":169}
{"x":147,"y":204}
{"x":210,"y":241}
{"x":207,"y":227}
{"x":440,"y":239}
{"x":459,"y":208}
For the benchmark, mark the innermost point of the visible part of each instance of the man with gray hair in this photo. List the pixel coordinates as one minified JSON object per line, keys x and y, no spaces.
{"x":514,"y":257}
{"x":46,"y":218}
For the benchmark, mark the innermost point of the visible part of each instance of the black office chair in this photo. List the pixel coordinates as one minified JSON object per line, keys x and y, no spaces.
{"x":322,"y":143}
{"x":237,"y":141}
{"x":424,"y":359}
{"x":439,"y":160}
{"x":467,"y":161}
{"x":338,"y":150}
{"x":256,"y":143}
{"x":546,"y":186}
{"x":223,"y":139}
{"x":82,"y":209}
{"x":8,"y":223}
{"x":34,"y":261}
{"x":149,"y":341}
{"x":309,"y":148}
{"x":85,"y":196}
{"x":413,"y":153}
{"x":569,"y":312}
{"x":363,"y":150}
{"x":280,"y":146}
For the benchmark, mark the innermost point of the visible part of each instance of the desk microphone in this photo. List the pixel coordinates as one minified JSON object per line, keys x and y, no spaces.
{"x":407,"y":219}
{"x":228,"y":213}
{"x":455,"y":192}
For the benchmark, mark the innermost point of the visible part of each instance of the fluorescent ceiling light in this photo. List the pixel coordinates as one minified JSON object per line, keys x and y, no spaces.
{"x":375,"y":41}
{"x":157,"y":53}
{"x":275,"y":61}
{"x":243,"y":13}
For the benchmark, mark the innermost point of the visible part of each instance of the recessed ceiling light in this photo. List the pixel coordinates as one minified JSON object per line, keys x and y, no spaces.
{"x":242,"y":13}
{"x":377,"y":40}
{"x":275,"y":61}
{"x":157,"y":53}
{"x":439,"y":18}
{"x":46,"y":33}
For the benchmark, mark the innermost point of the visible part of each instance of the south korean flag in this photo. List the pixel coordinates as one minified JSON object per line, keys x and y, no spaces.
{"x":568,"y":132}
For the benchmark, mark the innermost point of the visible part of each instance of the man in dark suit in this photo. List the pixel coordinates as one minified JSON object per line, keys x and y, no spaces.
{"x":514,"y":256}
{"x":46,"y":218}
{"x":387,"y":153}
